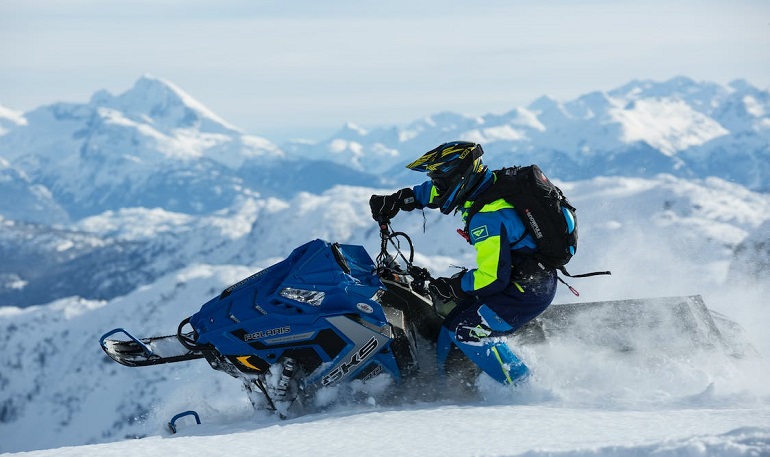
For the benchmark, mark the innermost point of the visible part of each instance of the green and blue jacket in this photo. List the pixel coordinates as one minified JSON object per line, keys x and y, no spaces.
{"x":497,"y":234}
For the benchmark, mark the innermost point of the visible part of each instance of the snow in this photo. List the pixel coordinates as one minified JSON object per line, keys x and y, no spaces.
{"x":660,"y":235}
{"x":135,"y":223}
{"x":482,"y":136}
{"x":582,"y":400}
{"x":449,"y":431}
{"x":753,"y":106}
{"x":12,"y":118}
{"x":667,"y":125}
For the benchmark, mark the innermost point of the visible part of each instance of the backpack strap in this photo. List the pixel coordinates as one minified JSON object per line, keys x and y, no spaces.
{"x":583,"y":275}
{"x":491,"y":194}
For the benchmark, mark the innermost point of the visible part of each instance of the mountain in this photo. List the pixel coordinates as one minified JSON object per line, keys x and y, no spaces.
{"x":24,"y":200}
{"x":679,"y":126}
{"x":156,"y":146}
{"x":10,"y":119}
{"x":105,"y":256}
{"x":152,"y":146}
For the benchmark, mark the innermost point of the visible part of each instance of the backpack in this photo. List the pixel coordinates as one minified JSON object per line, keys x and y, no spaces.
{"x":546,"y":213}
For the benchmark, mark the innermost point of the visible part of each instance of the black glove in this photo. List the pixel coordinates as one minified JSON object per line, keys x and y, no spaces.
{"x":387,"y":206}
{"x":447,"y":289}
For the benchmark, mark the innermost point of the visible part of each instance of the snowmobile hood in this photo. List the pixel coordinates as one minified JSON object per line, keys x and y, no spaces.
{"x":316,"y":278}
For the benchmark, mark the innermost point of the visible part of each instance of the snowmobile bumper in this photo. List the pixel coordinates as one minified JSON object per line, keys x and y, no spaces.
{"x":146,"y":351}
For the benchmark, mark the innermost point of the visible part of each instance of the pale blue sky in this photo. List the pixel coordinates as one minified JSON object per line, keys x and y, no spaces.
{"x":284,"y":69}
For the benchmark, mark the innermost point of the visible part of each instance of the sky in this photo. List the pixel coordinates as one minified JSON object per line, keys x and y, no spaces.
{"x":304,"y":68}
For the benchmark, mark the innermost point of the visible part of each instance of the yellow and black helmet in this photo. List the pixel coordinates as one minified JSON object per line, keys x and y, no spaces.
{"x":455,"y":169}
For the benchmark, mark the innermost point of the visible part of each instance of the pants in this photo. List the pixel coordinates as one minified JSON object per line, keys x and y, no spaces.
{"x":473,"y":324}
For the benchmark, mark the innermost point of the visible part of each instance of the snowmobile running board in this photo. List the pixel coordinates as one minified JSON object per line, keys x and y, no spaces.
{"x":146,"y":351}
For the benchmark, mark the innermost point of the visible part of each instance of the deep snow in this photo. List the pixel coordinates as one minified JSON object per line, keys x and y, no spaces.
{"x":611,"y":404}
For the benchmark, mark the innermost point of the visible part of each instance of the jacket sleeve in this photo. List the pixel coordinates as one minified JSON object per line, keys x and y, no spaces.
{"x":424,"y":195}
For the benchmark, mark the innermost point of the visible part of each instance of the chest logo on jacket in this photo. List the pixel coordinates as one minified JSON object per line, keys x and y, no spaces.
{"x":480,"y":233}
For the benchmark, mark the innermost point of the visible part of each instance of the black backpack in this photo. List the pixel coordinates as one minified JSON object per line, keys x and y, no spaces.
{"x":547,"y":214}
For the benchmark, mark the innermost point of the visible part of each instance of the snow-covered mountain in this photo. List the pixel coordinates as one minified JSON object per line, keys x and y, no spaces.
{"x":156,"y":146}
{"x":152,"y":146}
{"x":24,"y":200}
{"x":679,"y":126}
{"x":10,"y":119}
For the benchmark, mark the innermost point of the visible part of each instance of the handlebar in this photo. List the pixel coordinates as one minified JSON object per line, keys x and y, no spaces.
{"x":387,"y":262}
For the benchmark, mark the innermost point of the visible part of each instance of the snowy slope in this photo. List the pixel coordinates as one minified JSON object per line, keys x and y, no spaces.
{"x":666,"y":236}
{"x":582,"y":399}
{"x":447,"y":431}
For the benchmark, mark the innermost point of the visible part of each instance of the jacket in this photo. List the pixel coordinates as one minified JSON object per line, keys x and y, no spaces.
{"x":497,"y":234}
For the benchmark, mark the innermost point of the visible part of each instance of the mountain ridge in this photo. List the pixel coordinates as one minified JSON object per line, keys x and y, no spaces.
{"x":154,"y":142}
{"x":679,"y":124}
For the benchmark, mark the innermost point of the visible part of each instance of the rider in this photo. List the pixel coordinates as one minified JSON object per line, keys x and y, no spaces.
{"x":507,"y":289}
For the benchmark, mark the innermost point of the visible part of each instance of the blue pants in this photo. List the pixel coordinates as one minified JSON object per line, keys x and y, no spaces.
{"x":472,"y":325}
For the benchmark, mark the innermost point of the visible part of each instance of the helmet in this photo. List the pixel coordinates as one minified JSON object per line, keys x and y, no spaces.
{"x":455,"y":169}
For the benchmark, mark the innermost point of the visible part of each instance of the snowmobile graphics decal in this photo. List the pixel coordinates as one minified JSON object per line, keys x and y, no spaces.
{"x":264,"y":334}
{"x":244,"y":360}
{"x":366,"y":341}
{"x":344,"y":368}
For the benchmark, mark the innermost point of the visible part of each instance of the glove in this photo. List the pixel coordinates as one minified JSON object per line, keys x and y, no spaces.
{"x":447,"y":289}
{"x":387,"y":206}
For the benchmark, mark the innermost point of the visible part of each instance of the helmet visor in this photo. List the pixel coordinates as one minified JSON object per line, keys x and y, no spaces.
{"x":444,"y":182}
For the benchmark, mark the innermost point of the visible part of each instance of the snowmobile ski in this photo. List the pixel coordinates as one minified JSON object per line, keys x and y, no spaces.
{"x":147,"y":351}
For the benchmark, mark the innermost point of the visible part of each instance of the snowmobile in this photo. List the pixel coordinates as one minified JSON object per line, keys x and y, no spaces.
{"x":327,"y":314}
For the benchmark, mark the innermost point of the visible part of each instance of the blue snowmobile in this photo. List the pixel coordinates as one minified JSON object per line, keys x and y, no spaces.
{"x":328,"y":315}
{"x":325,"y":315}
